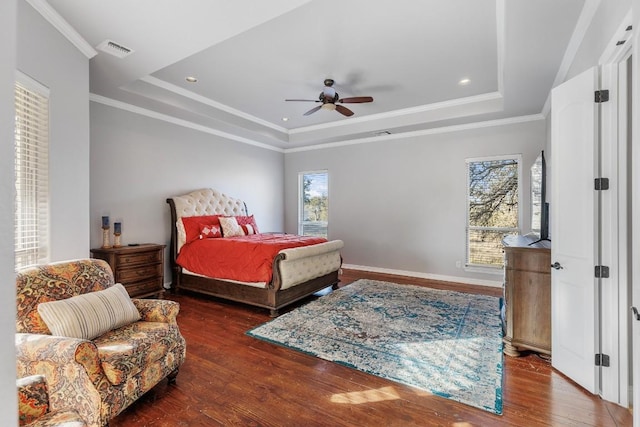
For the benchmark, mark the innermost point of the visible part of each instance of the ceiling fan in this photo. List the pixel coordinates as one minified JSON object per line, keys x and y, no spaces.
{"x":331,"y":100}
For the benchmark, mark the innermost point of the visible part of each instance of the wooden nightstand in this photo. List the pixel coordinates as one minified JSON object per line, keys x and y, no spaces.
{"x":139,"y":268}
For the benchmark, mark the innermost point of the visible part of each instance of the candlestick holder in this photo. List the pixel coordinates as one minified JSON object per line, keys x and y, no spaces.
{"x":117,"y":231}
{"x":106,"y":243}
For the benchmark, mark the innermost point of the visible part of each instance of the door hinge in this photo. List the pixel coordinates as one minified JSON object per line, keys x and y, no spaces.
{"x":601,"y":183}
{"x":602,"y":360}
{"x":602,"y":271}
{"x":601,"y":95}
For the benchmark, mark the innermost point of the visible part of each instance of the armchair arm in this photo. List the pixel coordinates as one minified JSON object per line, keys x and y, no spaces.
{"x":157,"y":310}
{"x":33,"y":398}
{"x":72,"y":369}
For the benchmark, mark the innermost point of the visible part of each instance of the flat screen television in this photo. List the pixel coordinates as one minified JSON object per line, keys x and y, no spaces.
{"x":539,"y":206}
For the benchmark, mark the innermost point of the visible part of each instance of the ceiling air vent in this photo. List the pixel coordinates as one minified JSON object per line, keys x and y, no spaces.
{"x":114,"y":49}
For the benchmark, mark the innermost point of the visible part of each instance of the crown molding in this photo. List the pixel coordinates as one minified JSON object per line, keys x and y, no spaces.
{"x":185,"y":123}
{"x":60,"y":24}
{"x":208,"y":101}
{"x":433,"y":131}
{"x":180,"y":122}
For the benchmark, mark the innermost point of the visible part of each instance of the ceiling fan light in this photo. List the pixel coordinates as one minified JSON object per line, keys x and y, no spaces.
{"x":329,"y":106}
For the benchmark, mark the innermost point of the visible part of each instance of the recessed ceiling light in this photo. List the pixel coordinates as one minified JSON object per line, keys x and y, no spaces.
{"x":285,"y":119}
{"x":191,"y":79}
{"x":464,"y":82}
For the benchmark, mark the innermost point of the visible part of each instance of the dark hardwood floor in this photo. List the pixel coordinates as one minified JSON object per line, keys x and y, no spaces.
{"x":231,"y":379}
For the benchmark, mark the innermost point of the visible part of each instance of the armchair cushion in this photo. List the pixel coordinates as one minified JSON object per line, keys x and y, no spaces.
{"x":89,"y":315}
{"x":126,"y":351}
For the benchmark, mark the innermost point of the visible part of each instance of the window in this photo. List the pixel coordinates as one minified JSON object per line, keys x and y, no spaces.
{"x":31,"y":222}
{"x":492,"y":208}
{"x":313,"y":210}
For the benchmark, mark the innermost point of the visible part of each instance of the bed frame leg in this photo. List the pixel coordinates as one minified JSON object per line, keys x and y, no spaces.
{"x":273,"y":312}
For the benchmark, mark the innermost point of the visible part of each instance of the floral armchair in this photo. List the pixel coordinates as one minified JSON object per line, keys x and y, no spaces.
{"x":33,"y":406}
{"x":97,"y":378}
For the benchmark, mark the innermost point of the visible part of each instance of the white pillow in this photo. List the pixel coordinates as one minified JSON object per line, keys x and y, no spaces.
{"x":230,"y":226}
{"x":90,"y":315}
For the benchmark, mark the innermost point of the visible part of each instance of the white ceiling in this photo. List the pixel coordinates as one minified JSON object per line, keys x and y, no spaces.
{"x":249,"y":55}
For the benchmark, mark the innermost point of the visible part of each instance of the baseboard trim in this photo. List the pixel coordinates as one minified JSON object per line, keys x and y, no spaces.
{"x":465,"y":280}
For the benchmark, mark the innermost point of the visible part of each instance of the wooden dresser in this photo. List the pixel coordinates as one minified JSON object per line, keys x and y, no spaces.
{"x":139,"y":268}
{"x":527,"y":292}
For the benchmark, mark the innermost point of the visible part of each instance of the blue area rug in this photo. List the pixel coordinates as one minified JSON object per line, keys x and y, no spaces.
{"x":447,"y":343}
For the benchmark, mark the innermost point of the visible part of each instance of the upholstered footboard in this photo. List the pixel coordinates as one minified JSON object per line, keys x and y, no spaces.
{"x":298,"y":265}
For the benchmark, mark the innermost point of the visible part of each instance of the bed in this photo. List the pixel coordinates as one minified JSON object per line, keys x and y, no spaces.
{"x":295,"y":272}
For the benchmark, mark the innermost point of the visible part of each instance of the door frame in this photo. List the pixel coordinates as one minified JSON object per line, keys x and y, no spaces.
{"x":635,"y":204}
{"x":615,"y":326}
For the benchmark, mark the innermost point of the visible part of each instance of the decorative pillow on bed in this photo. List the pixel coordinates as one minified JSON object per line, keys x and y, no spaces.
{"x":230,"y":226}
{"x":193,"y":226}
{"x":89,"y":315}
{"x":210,"y":231}
{"x":248,"y":224}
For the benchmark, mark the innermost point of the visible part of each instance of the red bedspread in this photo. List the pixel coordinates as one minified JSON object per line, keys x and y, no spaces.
{"x":243,"y":258}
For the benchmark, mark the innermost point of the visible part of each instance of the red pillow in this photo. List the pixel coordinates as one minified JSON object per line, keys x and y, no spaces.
{"x":248,"y":224}
{"x":193,"y":224}
{"x":208,"y":231}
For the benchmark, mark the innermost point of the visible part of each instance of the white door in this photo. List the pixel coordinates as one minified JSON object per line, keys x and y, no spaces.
{"x":573,"y":208}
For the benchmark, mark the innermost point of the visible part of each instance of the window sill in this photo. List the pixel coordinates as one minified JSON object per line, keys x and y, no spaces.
{"x":496,"y":271}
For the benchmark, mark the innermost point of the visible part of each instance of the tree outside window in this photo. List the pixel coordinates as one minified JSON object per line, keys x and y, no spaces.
{"x":314,"y":204}
{"x":492,"y":208}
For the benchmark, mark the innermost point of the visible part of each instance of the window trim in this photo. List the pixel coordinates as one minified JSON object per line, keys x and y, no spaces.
{"x":479,"y":268}
{"x":301,"y":203}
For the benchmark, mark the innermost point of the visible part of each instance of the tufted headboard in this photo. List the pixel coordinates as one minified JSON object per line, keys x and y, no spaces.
{"x":206,"y":201}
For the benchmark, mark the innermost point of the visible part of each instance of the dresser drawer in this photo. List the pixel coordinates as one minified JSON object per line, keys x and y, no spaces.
{"x":129,"y":275}
{"x":145,"y":288}
{"x":150,"y":257}
{"x":539,"y":261}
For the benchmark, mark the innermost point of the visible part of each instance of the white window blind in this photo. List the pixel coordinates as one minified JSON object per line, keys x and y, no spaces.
{"x":32,"y":176}
{"x":492,"y":208}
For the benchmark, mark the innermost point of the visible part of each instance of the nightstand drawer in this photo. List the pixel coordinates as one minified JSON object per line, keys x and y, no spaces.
{"x":126,"y":260}
{"x":128,"y":275}
{"x":145,"y":288}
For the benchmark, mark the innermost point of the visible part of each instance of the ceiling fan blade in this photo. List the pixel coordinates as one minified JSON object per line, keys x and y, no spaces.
{"x":356,"y":99}
{"x":313,"y":110}
{"x":304,"y":100}
{"x":344,"y":110}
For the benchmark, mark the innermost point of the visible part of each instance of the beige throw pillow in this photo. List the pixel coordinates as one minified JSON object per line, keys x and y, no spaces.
{"x":89,"y":315}
{"x":230,"y":226}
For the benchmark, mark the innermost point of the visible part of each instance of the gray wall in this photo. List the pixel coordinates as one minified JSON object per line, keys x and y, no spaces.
{"x":400,"y":204}
{"x":8,"y":398}
{"x":137,"y":162}
{"x":48,"y":57}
